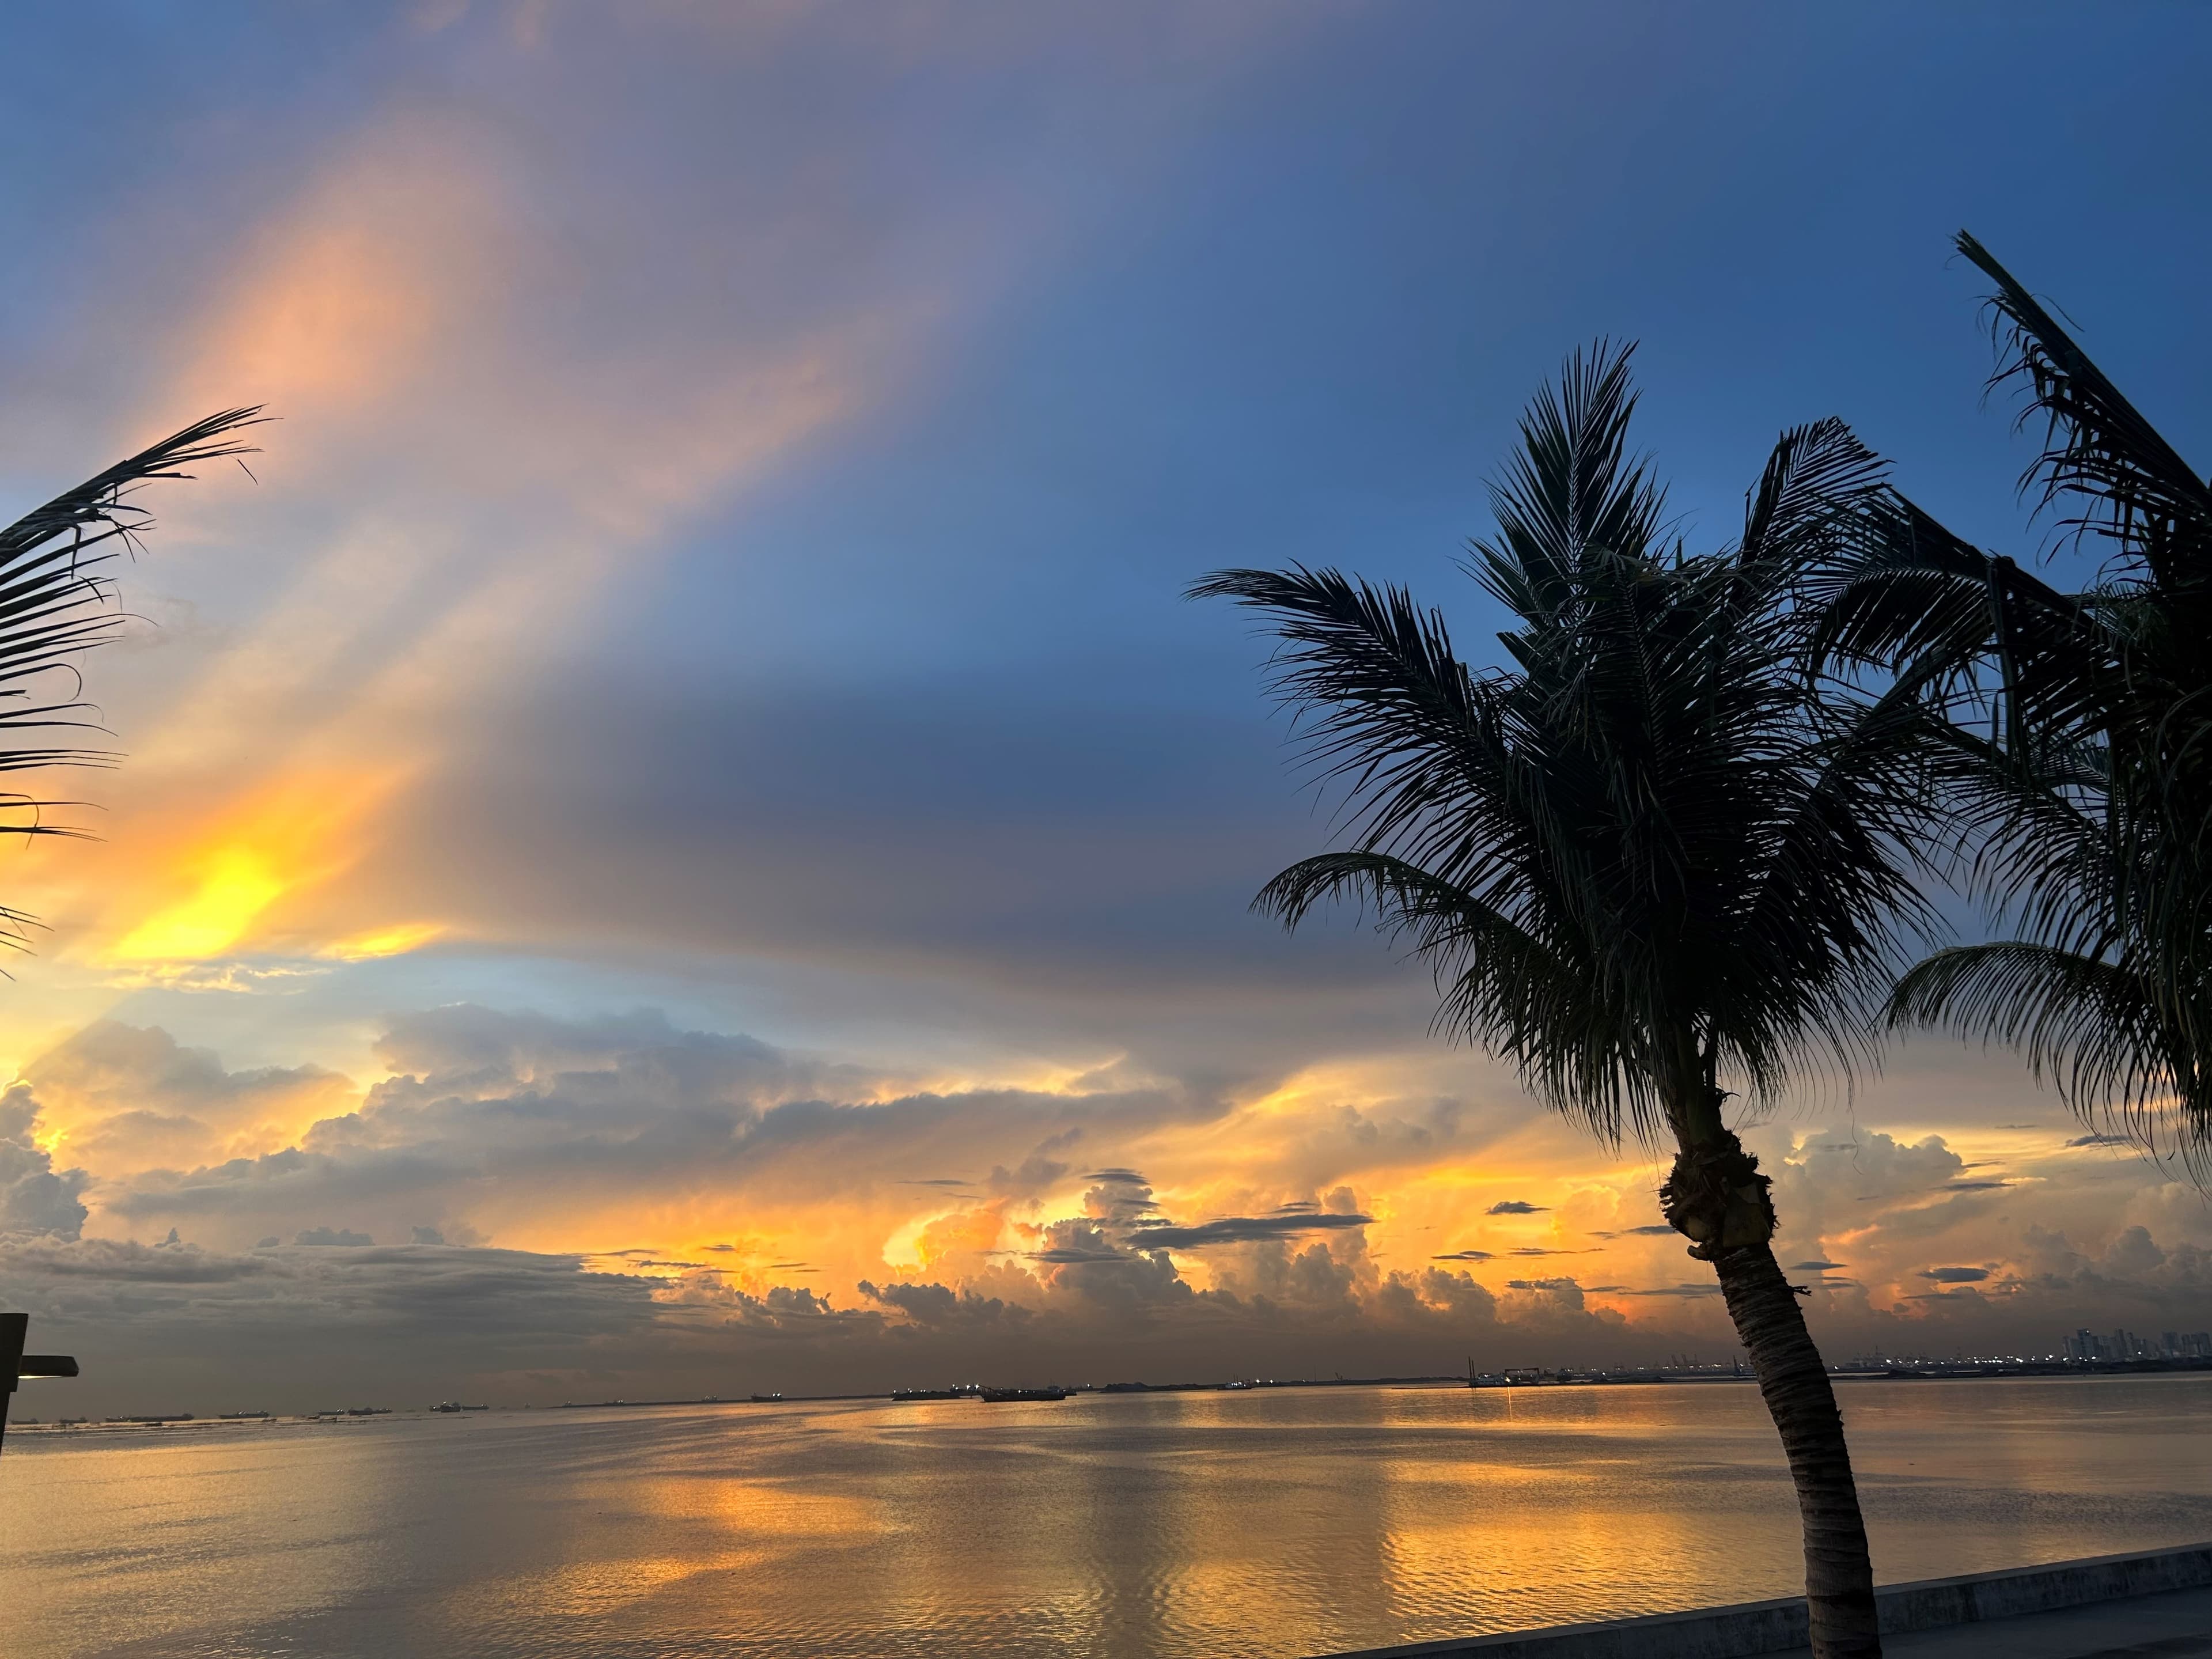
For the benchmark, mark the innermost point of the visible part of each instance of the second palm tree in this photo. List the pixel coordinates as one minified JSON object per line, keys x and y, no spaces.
{"x":1648,"y":865}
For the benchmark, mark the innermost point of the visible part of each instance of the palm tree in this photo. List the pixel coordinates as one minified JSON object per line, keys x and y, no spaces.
{"x":56,"y":601}
{"x":2083,"y":725}
{"x":1648,"y":862}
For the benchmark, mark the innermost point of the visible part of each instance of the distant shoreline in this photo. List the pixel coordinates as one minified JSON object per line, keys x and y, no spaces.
{"x":149,"y":1425}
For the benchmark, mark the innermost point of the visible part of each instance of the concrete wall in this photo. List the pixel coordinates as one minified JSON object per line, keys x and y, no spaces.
{"x":1759,"y":1627}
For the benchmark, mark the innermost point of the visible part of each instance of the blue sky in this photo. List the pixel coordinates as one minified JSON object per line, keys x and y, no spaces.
{"x":720,"y":552}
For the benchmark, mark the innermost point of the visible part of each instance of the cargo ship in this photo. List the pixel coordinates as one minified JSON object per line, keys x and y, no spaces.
{"x":1023,"y":1394}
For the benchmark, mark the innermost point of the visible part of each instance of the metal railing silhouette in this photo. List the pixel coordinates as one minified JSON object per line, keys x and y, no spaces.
{"x":16,"y":1364}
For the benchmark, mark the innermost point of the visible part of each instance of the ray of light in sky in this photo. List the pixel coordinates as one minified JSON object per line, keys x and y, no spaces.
{"x":678,"y":798}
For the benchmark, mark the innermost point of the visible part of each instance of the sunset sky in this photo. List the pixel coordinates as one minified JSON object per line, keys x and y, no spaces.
{"x":676,"y":835}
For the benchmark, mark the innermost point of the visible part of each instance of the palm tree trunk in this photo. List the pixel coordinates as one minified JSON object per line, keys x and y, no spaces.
{"x":1838,"y":1573}
{"x":1717,"y":1198}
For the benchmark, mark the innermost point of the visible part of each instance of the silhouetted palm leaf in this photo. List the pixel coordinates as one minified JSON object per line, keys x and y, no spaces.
{"x":56,"y":602}
{"x":2089,"y":1025}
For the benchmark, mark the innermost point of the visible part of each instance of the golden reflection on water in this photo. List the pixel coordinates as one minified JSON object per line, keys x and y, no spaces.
{"x":1261,"y":1523}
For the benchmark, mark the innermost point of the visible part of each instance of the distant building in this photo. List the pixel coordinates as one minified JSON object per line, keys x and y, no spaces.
{"x":2086,"y":1347}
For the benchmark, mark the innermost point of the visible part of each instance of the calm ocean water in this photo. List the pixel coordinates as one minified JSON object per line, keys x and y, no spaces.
{"x":1275,"y":1523}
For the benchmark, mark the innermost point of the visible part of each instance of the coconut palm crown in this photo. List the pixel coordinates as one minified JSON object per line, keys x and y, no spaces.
{"x":1648,"y":862}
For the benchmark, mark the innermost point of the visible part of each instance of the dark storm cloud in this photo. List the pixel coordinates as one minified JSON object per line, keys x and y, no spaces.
{"x":1815,"y":1267}
{"x":485,"y":1296}
{"x":939,"y":1305}
{"x":2100,"y":1140}
{"x":1691,"y":1291}
{"x":1245,"y":1228}
{"x":118,"y":1261}
{"x":2134,"y":1267}
{"x":1032,"y":1176}
{"x":1515,"y":1207}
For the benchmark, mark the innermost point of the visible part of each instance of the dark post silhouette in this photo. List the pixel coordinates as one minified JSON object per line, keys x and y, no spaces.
{"x":16,"y":1364}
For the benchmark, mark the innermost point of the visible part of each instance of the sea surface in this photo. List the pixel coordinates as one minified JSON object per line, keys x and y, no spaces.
{"x":1272,"y":1523}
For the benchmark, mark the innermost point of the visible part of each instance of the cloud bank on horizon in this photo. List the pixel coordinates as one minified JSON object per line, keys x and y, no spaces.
{"x":560,"y":1208}
{"x":718,"y":556}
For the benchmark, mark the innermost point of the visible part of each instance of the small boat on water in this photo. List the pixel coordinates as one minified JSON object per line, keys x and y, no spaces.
{"x":1023,"y":1394}
{"x":766,"y":1398}
{"x":456,"y":1406}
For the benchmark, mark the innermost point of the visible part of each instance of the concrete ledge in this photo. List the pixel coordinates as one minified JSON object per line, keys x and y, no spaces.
{"x":1751,"y":1628}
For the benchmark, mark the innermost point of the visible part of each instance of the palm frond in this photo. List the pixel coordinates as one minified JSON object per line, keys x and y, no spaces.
{"x":1572,"y":490}
{"x":2100,"y":452}
{"x":57,"y":602}
{"x":1817,"y":487}
{"x":1386,"y":710}
{"x":2090,"y":1026}
{"x":55,"y":599}
{"x":1519,"y":995}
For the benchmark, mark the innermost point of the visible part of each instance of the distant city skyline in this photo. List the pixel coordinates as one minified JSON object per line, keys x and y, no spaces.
{"x":2085,"y":1344}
